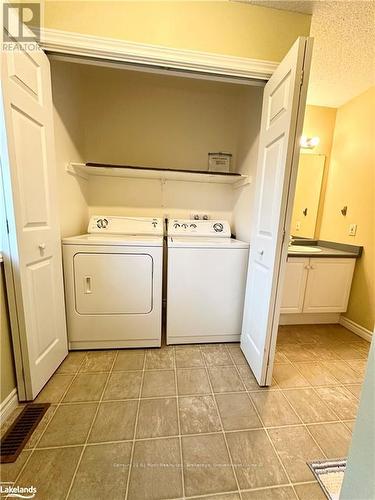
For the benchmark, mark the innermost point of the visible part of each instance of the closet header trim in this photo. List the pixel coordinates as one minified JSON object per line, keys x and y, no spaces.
{"x":110,"y":49}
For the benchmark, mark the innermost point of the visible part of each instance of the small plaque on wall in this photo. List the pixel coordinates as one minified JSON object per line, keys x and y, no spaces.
{"x":219,"y":162}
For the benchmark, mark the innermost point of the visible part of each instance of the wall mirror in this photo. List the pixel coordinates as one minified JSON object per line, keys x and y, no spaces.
{"x":307,"y":197}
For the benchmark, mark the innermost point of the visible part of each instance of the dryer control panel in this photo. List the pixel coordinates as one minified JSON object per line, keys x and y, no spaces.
{"x":191,"y":228}
{"x":109,"y":224}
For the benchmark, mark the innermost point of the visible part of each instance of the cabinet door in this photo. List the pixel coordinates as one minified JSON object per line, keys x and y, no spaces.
{"x":328,"y":285}
{"x":294,"y":285}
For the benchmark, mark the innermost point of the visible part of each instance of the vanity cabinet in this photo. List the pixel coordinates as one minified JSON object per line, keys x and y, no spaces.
{"x":317,"y":285}
{"x":294,"y":285}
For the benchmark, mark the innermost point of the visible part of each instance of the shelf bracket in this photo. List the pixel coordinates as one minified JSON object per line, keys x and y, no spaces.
{"x":77,"y":169}
{"x":245,"y":181}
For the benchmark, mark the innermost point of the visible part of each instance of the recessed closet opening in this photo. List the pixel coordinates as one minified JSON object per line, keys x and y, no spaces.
{"x":118,"y":116}
{"x":215,"y":157}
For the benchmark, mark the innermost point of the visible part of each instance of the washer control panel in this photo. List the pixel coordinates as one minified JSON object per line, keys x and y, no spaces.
{"x":211,"y":228}
{"x":125,"y":225}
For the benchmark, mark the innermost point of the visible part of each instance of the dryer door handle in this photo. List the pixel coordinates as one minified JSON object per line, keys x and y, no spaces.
{"x":88,"y":284}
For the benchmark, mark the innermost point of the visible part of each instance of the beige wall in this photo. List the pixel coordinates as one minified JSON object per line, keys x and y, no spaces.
{"x":351,"y":182}
{"x":7,"y":375}
{"x":320,"y":121}
{"x":73,"y":191}
{"x":137,"y":118}
{"x":226,"y":27}
{"x":247,"y":154}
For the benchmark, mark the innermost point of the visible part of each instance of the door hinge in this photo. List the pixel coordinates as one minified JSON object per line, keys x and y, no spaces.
{"x":302,"y":75}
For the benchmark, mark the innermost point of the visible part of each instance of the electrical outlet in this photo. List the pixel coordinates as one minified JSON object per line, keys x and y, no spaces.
{"x":352,"y":229}
{"x":298,"y":226}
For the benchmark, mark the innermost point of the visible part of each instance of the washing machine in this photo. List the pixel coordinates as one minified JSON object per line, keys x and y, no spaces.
{"x":206,"y":282}
{"x":113,"y":283}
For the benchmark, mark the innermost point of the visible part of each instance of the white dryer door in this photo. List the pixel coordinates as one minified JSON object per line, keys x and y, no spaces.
{"x":113,"y":283}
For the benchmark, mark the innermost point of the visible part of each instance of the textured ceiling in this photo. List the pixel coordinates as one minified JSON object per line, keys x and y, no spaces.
{"x":305,"y":7}
{"x":343,"y":64}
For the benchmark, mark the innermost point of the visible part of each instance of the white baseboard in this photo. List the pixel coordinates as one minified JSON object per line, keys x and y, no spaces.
{"x":309,"y":318}
{"x":355,"y":328}
{"x":8,"y":405}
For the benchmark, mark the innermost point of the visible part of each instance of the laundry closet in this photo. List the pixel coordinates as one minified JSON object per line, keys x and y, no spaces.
{"x":120,"y":116}
{"x":135,"y":141}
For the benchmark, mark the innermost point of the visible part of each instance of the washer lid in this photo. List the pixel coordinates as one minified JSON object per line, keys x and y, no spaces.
{"x":196,"y":242}
{"x":114,"y":240}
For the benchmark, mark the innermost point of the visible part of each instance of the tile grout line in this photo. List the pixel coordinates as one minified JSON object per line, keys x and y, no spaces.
{"x":135,"y":426}
{"x":250,"y":391}
{"x":220,"y":420}
{"x":91,"y":427}
{"x":303,"y":423}
{"x":265,"y":430}
{"x":354,"y":369}
{"x":324,"y":403}
{"x":314,"y":388}
{"x":234,"y":431}
{"x":261,"y":488}
{"x":179,"y":421}
{"x":34,"y":448}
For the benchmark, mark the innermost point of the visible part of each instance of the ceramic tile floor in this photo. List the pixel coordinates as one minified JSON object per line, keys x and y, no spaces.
{"x":191,"y":421}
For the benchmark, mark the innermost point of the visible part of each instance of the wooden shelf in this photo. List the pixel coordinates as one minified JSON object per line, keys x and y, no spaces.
{"x":86,"y":170}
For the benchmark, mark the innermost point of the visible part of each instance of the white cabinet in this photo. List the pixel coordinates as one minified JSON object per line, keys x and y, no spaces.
{"x":328,"y":285}
{"x":317,"y":285}
{"x":294,"y":285}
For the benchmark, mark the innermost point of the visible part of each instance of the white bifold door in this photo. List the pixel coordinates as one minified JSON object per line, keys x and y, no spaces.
{"x":282,"y":119}
{"x":33,"y":259}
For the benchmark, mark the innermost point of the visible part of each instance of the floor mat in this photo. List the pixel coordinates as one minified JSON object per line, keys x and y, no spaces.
{"x":16,"y":437}
{"x":330,"y":475}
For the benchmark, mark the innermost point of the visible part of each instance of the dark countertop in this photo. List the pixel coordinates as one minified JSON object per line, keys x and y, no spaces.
{"x":328,"y":249}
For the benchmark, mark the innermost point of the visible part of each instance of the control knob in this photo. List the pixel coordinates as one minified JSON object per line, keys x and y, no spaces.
{"x":176,"y":225}
{"x":218,"y":227}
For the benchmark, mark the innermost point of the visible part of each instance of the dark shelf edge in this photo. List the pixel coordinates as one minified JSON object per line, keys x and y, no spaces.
{"x":158,"y":169}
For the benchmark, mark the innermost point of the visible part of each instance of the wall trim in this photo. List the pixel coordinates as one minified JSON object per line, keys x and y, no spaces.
{"x":355,"y":328}
{"x":8,"y":405}
{"x":112,"y":49}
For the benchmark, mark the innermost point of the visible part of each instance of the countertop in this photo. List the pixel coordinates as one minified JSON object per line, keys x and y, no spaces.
{"x":329,"y":249}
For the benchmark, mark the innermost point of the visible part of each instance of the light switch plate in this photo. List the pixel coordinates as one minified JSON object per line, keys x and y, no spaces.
{"x":352,"y":229}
